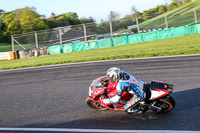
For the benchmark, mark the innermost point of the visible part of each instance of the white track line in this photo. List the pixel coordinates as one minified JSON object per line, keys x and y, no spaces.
{"x":91,"y":62}
{"x":93,"y":130}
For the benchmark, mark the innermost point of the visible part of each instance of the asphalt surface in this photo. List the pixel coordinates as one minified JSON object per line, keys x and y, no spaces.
{"x":54,"y":97}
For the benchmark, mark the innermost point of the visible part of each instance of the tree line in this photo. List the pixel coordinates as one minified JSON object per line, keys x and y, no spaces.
{"x":27,"y":20}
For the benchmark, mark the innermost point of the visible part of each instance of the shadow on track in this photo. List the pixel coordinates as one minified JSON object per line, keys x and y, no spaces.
{"x":185,"y":116}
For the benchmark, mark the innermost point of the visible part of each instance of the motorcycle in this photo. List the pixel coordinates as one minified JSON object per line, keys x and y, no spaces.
{"x":157,"y":97}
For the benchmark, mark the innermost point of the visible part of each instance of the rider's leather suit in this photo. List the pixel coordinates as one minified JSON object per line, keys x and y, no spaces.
{"x":130,"y":84}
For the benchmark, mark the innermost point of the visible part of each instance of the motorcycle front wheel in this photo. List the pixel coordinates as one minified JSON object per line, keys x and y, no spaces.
{"x":95,"y":105}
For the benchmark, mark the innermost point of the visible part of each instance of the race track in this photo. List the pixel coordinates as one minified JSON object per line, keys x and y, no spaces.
{"x":54,"y":97}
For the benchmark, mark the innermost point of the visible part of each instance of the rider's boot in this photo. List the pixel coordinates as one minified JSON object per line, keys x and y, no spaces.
{"x":143,"y":109}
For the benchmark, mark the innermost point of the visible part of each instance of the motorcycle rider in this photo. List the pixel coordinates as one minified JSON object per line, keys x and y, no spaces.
{"x":129,"y":83}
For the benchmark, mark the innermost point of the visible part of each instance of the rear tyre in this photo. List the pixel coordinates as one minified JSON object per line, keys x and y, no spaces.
{"x":95,"y":105}
{"x":166,"y":104}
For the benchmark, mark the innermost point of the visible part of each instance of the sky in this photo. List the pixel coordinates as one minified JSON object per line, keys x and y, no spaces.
{"x":98,"y":9}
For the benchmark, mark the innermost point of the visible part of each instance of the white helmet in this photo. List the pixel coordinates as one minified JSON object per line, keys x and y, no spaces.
{"x":114,"y":74}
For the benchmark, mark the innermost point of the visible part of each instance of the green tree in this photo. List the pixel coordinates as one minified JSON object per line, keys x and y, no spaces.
{"x":147,"y":15}
{"x":11,"y":22}
{"x":87,"y":20}
{"x":71,"y":17}
{"x":179,"y":2}
{"x":1,"y":20}
{"x":186,"y":1}
{"x":161,"y":9}
{"x":21,"y":21}
{"x":172,"y":6}
{"x":61,"y":21}
{"x":30,"y":21}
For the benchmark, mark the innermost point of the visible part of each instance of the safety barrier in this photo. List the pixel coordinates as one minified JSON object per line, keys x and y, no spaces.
{"x":7,"y":55}
{"x":29,"y":53}
{"x":127,"y":39}
{"x":103,"y":43}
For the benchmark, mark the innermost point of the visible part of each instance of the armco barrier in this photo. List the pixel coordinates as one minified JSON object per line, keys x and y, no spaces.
{"x":127,"y":39}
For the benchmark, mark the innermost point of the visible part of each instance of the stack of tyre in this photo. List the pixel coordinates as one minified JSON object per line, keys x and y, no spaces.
{"x":29,"y":53}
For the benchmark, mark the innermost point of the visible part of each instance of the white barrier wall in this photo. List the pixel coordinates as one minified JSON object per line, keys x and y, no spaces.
{"x":7,"y":55}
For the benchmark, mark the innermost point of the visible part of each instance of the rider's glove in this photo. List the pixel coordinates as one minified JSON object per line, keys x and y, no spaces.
{"x":104,"y":82}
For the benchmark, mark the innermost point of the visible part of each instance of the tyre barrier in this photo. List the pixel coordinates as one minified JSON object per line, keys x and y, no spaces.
{"x":35,"y":52}
{"x":23,"y":54}
{"x":29,"y":53}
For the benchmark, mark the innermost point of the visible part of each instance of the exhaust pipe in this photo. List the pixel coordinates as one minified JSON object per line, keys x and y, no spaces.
{"x":155,"y":107}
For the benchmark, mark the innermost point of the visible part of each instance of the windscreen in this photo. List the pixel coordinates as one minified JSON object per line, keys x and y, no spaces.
{"x":96,"y":83}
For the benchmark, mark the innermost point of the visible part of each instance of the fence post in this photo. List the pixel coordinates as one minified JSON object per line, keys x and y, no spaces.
{"x":166,"y":21}
{"x":60,"y":35}
{"x":36,"y":39}
{"x":137,"y":23}
{"x":12,"y":40}
{"x":85,"y":33}
{"x":111,"y":30}
{"x":195,"y":15}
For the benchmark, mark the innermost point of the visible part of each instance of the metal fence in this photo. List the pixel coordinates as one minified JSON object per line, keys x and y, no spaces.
{"x":89,"y":31}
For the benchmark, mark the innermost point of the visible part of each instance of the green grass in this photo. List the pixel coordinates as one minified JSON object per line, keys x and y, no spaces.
{"x":181,"y":16}
{"x":4,"y":47}
{"x":173,"y":46}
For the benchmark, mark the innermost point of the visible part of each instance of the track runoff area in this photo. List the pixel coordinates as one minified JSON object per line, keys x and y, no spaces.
{"x":54,"y":130}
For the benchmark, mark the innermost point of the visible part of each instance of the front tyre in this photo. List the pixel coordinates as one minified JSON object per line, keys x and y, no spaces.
{"x":95,"y":105}
{"x":166,"y":104}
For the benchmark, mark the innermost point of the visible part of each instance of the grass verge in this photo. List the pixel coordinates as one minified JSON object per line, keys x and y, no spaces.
{"x":4,"y":47}
{"x":172,"y":46}
{"x":183,"y":15}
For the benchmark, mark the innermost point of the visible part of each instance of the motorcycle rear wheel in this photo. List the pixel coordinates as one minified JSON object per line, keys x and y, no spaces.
{"x":166,"y":104}
{"x":95,"y":105}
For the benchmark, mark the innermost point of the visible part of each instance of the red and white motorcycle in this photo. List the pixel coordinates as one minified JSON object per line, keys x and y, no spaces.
{"x":157,"y":97}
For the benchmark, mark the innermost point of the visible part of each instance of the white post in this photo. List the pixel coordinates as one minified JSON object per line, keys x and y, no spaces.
{"x":111,"y":31}
{"x":138,"y":28}
{"x":13,"y":45}
{"x":195,"y":15}
{"x":36,"y":39}
{"x":166,"y":16}
{"x":166,"y":21}
{"x":60,"y":35}
{"x":85,"y":33}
